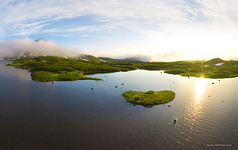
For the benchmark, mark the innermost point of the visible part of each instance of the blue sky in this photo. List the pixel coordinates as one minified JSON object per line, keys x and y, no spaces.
{"x":159,"y":29}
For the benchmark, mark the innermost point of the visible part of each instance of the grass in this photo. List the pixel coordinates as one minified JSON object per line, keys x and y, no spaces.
{"x":15,"y":64}
{"x":149,"y":97}
{"x":62,"y":76}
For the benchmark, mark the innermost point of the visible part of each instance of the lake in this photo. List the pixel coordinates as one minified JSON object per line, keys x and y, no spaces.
{"x":70,"y":115}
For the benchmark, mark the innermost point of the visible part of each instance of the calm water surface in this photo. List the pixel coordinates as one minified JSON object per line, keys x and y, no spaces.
{"x":70,"y":115}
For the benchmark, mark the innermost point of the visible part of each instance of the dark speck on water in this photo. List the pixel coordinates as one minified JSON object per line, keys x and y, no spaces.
{"x":175,"y":120}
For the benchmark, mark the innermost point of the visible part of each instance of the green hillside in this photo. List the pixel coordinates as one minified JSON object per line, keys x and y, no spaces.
{"x":214,"y":61}
{"x":90,"y":58}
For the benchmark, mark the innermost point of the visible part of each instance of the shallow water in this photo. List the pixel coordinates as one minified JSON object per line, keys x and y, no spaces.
{"x":70,"y":115}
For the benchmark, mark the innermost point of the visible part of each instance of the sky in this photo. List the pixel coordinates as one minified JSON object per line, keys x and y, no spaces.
{"x":161,"y":30}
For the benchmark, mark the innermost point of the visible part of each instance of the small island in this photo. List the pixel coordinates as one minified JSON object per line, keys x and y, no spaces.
{"x":149,"y":98}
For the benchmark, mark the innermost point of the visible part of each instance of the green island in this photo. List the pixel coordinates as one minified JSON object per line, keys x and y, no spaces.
{"x":149,"y":98}
{"x":52,"y":68}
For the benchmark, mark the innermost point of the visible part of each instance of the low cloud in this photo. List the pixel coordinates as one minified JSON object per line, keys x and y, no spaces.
{"x":14,"y":48}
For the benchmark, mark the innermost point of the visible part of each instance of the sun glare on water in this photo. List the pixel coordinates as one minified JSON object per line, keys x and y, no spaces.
{"x":194,"y":108}
{"x":200,"y":89}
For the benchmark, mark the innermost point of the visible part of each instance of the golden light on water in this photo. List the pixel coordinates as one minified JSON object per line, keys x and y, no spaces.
{"x":194,"y":108}
{"x":199,"y":89}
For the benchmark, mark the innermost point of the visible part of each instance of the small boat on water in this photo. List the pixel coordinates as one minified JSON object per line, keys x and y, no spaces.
{"x":172,"y":123}
{"x":175,"y":120}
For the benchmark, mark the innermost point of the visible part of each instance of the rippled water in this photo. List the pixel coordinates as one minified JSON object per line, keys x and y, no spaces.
{"x":70,"y":115}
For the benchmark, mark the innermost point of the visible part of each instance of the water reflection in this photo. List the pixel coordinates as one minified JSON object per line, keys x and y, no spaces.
{"x":194,"y":113}
{"x":12,"y":71}
{"x":199,"y":89}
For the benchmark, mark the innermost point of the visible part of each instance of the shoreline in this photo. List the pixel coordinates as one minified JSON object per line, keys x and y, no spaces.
{"x":52,"y":68}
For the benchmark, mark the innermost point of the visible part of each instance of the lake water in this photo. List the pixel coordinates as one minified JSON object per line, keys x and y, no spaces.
{"x":70,"y":115}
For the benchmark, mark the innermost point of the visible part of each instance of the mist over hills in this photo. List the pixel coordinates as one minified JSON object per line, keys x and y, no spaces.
{"x":28,"y":48}
{"x":43,"y":48}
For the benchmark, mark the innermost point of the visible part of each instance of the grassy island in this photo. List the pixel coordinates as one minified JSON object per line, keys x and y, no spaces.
{"x":149,"y":97}
{"x":52,"y":68}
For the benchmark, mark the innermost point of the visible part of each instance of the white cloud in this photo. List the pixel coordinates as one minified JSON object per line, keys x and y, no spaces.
{"x":163,"y":25}
{"x":33,"y":13}
{"x":167,"y":15}
{"x":9,"y":48}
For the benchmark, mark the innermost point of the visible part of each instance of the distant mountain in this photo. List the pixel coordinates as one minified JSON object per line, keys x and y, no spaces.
{"x":214,"y":61}
{"x":128,"y":59}
{"x":132,"y":59}
{"x":31,"y":54}
{"x":40,"y":39}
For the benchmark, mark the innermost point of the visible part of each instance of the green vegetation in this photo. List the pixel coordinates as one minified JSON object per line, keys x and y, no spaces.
{"x":52,"y":68}
{"x":149,"y":98}
{"x":206,"y":69}
{"x":60,"y":76}
{"x":150,"y":92}
{"x":90,"y":58}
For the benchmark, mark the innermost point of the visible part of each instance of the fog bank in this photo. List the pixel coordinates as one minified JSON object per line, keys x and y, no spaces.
{"x":14,"y":48}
